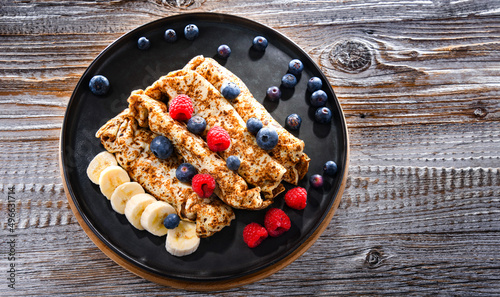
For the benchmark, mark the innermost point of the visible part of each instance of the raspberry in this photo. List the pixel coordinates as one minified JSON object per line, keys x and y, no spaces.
{"x":218,"y":139}
{"x":203,"y":185}
{"x":276,"y":222}
{"x":254,"y":234}
{"x":296,"y":198}
{"x":181,"y":108}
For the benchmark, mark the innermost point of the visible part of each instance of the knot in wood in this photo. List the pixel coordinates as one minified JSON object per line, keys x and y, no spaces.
{"x":351,"y":56}
{"x":373,"y":258}
{"x":178,"y":3}
{"x":480,"y":112}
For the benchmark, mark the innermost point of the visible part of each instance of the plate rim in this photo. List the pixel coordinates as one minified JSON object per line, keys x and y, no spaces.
{"x":134,"y":266}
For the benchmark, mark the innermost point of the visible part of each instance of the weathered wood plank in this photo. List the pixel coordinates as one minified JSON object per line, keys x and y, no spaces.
{"x":43,"y":17}
{"x":453,"y":145}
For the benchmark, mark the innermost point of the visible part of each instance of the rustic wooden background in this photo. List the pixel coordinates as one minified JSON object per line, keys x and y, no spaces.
{"x":419,"y":82}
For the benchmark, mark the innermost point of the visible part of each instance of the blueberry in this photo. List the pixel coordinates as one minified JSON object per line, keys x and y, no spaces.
{"x":259,"y":43}
{"x":323,"y":115}
{"x":267,"y":138}
{"x":330,"y":168}
{"x":170,"y":35}
{"x":233,"y":163}
{"x":143,"y":43}
{"x":99,"y":85}
{"x":224,"y":51}
{"x":254,"y":125}
{"x":289,"y":80}
{"x":229,"y":90}
{"x":319,"y":98}
{"x":273,"y":93}
{"x":293,"y":121}
{"x":191,"y":31}
{"x":185,"y":172}
{"x":295,"y":67}
{"x":171,"y":221}
{"x":196,"y":125}
{"x":161,"y":147}
{"x":314,"y":84}
{"x":316,"y":180}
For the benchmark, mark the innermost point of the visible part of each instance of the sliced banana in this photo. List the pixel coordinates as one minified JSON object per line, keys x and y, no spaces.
{"x":111,"y":178}
{"x":153,"y":216}
{"x":100,"y":162}
{"x":182,"y":240}
{"x":135,"y":207}
{"x":123,"y":193}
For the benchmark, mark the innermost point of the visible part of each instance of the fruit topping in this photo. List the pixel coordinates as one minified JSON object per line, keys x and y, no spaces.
{"x":295,"y":67}
{"x":111,"y":178}
{"x":171,"y":221}
{"x":233,"y":162}
{"x":319,"y":98}
{"x":273,"y":93}
{"x":191,"y":31}
{"x":143,"y":43}
{"x":153,"y":216}
{"x":229,"y":90}
{"x":203,"y":185}
{"x":161,"y":147}
{"x":196,"y":125}
{"x":316,"y":180}
{"x":170,"y":35}
{"x":314,"y":84}
{"x":254,"y":234}
{"x":323,"y":115}
{"x":289,"y":80}
{"x":181,"y":108}
{"x":293,"y":121}
{"x":254,"y":125}
{"x":276,"y":222}
{"x":135,"y":207}
{"x":100,"y":162}
{"x":259,"y":43}
{"x":267,"y":138}
{"x":185,"y":172}
{"x":330,"y":168}
{"x":218,"y":139}
{"x":99,"y":85}
{"x":224,"y":51}
{"x":122,"y":194}
{"x":296,"y":198}
{"x":182,"y":240}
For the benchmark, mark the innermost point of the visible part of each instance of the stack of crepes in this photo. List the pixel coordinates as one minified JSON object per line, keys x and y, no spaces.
{"x":259,"y":178}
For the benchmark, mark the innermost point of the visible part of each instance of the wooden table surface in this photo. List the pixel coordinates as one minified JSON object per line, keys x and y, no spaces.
{"x":419,"y":82}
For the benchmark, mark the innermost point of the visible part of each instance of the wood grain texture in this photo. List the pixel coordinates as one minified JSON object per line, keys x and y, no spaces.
{"x":419,"y":85}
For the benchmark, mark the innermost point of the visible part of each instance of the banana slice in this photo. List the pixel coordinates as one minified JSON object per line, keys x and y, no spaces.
{"x":111,"y":178}
{"x":182,"y":240}
{"x":135,"y":207}
{"x":153,"y":216}
{"x":98,"y":164}
{"x":123,"y":193}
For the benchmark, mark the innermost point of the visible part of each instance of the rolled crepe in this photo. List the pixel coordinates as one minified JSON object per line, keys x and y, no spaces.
{"x":130,"y":144}
{"x":289,"y":151}
{"x":231,"y":188}
{"x":257,"y":167}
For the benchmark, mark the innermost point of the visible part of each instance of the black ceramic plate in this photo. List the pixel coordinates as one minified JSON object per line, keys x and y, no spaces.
{"x":223,"y":256}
